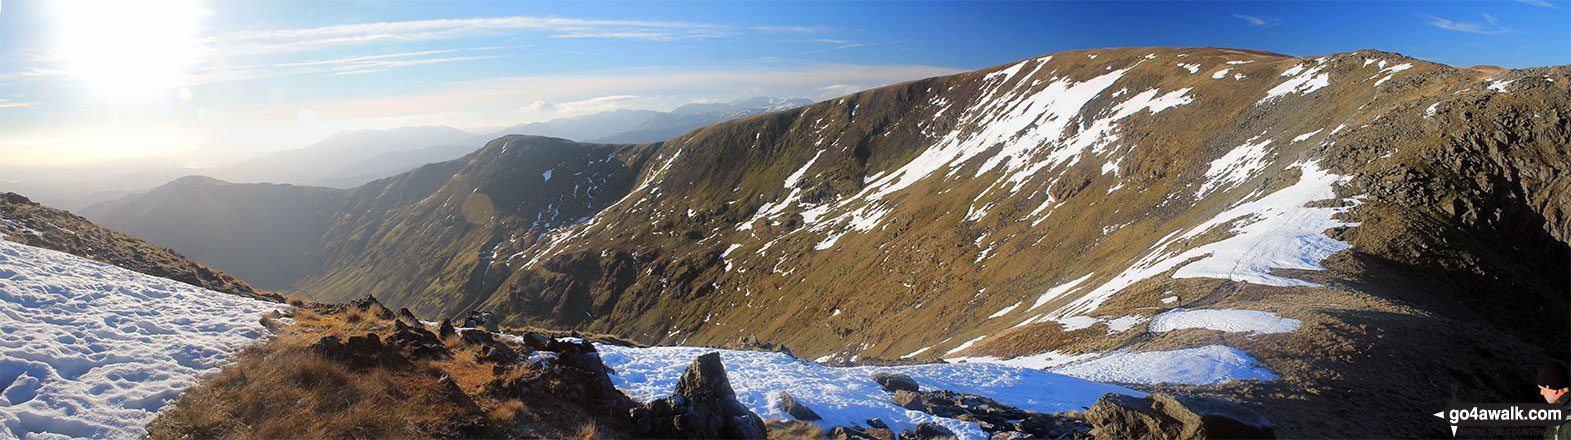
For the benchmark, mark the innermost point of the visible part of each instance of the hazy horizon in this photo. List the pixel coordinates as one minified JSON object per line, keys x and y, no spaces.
{"x":210,"y":82}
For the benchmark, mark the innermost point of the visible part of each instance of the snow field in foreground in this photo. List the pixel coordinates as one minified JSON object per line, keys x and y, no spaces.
{"x":90,"y":350}
{"x":848,"y":396}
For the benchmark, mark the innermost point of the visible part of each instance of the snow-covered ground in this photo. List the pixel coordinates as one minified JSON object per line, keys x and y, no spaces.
{"x":90,"y":350}
{"x":848,"y":396}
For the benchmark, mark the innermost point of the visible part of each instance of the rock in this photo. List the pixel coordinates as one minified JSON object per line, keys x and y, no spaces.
{"x":416,"y":342}
{"x":405,"y":315}
{"x":877,"y":423}
{"x":1122,"y":416}
{"x":1206,"y":417}
{"x":928,"y":430}
{"x":896,"y":382}
{"x":1009,"y":435}
{"x":480,"y":320}
{"x":751,"y":343}
{"x":909,"y":400}
{"x":703,"y":406}
{"x":796,"y":409}
{"x":359,"y":351}
{"x":536,"y":341}
{"x":491,"y":350}
{"x":369,"y":303}
{"x":446,"y":330}
{"x":1162,"y":416}
{"x":880,"y":433}
{"x":848,"y":433}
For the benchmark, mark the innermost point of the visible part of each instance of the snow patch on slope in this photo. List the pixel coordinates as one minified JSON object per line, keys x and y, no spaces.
{"x":1277,"y":231}
{"x":1303,"y":81}
{"x":1237,"y":165}
{"x":1211,"y":364}
{"x":1228,"y":320}
{"x":95,"y":351}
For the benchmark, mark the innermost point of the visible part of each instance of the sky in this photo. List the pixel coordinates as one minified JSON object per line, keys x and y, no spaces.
{"x":205,"y":82}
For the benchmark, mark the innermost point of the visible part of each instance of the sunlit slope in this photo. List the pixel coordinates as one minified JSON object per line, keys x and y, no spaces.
{"x":1074,"y":185}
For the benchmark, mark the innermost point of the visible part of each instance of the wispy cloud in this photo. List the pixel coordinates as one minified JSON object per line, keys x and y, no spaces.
{"x":6,"y":103}
{"x":784,"y":29}
{"x":586,"y":106}
{"x":1491,"y":25}
{"x":1259,"y":22}
{"x":1539,"y":3}
{"x":303,"y":39}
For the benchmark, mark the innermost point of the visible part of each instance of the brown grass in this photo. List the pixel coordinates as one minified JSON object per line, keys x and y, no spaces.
{"x":280,"y":388}
{"x":782,"y":429}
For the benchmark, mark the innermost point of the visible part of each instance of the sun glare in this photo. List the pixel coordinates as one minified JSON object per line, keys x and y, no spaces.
{"x":129,"y":49}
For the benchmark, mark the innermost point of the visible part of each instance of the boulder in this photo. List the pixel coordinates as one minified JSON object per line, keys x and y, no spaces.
{"x":536,"y":341}
{"x":416,"y":342}
{"x":703,"y":406}
{"x":896,"y":382}
{"x":909,"y":400}
{"x":1010,"y":435}
{"x":481,"y":320}
{"x":796,"y":409}
{"x":405,"y":315}
{"x":928,"y":430}
{"x":446,"y":330}
{"x":491,"y":350}
{"x":1207,"y":417}
{"x":1164,"y":416}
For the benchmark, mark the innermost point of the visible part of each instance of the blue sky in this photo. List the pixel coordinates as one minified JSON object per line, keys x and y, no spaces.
{"x":210,"y":81}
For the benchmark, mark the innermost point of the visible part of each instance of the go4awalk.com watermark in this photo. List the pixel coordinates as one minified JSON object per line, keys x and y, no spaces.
{"x":1502,"y":414}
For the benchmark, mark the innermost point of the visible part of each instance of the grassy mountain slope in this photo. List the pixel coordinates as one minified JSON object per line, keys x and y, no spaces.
{"x":1411,"y":215}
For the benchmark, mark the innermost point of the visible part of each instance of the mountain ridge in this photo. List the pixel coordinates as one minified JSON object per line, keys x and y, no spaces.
{"x":1038,"y":211}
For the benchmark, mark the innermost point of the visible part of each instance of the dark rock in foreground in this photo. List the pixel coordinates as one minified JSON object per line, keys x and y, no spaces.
{"x":1163,"y":416}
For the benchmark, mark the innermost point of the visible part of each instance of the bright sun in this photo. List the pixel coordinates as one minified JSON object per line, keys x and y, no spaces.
{"x":129,"y":49}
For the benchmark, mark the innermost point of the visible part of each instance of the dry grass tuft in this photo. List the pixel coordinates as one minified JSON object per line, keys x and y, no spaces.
{"x":281,"y":388}
{"x":782,"y":429}
{"x":589,"y":431}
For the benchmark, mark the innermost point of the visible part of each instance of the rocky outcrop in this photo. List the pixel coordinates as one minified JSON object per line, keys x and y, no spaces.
{"x":703,"y":406}
{"x":1164,"y":416}
{"x":576,"y":374}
